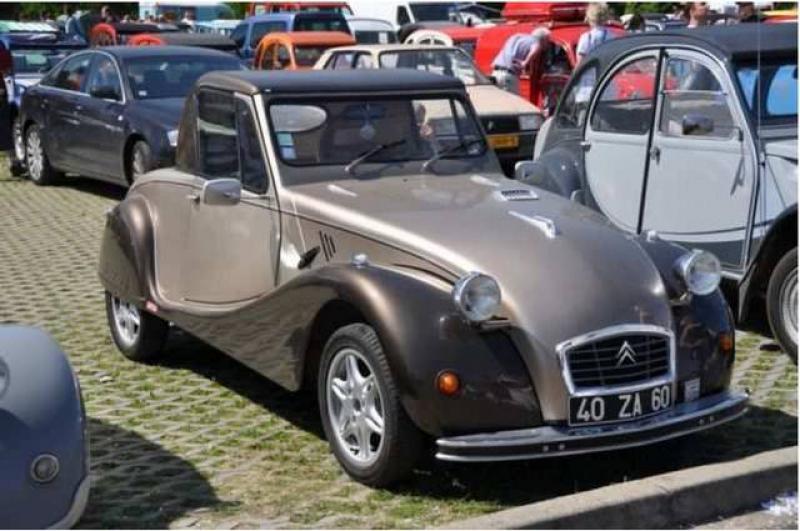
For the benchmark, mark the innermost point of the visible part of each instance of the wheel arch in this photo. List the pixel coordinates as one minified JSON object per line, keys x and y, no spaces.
{"x":780,"y":238}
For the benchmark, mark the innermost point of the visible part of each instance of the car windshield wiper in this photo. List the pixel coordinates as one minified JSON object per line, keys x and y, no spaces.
{"x":452,"y":149}
{"x":374,"y":151}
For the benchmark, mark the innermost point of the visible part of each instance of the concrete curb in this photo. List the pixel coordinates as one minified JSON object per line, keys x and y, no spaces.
{"x":687,"y":496}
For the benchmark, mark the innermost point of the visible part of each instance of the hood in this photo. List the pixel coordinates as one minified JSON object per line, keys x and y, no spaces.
{"x":491,"y":100}
{"x":786,"y":148}
{"x":165,"y":112}
{"x":586,"y":276}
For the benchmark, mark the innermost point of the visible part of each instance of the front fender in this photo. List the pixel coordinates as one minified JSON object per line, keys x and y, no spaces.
{"x":557,"y":171}
{"x":420,"y":331}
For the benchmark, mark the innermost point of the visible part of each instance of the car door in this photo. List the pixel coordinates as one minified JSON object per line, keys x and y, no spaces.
{"x":702,"y":172}
{"x":232,"y":250}
{"x":616,"y":139}
{"x":62,"y":105}
{"x":102,"y":120}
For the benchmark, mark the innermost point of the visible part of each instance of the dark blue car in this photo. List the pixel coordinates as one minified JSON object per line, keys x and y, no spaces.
{"x":251,"y":30}
{"x":111,"y":113}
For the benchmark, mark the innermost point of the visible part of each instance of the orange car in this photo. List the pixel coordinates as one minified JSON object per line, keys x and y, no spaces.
{"x":296,"y":50}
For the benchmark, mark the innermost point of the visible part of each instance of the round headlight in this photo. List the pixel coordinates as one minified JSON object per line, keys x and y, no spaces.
{"x":700,"y":271}
{"x":477,"y":296}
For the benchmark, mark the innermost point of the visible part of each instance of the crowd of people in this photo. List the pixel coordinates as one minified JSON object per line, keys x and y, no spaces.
{"x":70,"y":22}
{"x":516,"y":54}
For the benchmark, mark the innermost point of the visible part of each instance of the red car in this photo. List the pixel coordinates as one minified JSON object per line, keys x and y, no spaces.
{"x":550,"y":70}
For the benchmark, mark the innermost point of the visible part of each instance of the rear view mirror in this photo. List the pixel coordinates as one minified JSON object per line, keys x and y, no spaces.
{"x":105,"y":92}
{"x":696,"y":125}
{"x":222,"y":192}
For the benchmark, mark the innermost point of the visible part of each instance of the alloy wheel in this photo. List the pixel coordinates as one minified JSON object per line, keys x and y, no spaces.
{"x":138,"y":164}
{"x":19,"y":141}
{"x":127,"y":321}
{"x":788,"y":299}
{"x":355,"y":407}
{"x":34,"y":155}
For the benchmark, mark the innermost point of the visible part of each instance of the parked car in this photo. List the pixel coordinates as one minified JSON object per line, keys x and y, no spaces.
{"x":202,"y":11}
{"x":371,"y":30}
{"x":550,"y":69}
{"x":264,"y":8}
{"x":465,"y":37}
{"x":220,"y":26}
{"x":111,"y":113}
{"x":251,"y":30}
{"x":44,"y":465}
{"x":213,"y":41}
{"x":374,"y":250}
{"x":296,"y":50}
{"x":117,"y":33}
{"x":27,"y":52}
{"x":510,"y":122}
{"x":714,"y":168}
{"x":427,"y":13}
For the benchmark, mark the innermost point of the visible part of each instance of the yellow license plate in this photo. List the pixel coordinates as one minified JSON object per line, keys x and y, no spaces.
{"x":504,"y":141}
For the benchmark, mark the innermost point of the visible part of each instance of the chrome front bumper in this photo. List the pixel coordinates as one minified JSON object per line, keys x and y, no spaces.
{"x":552,"y":441}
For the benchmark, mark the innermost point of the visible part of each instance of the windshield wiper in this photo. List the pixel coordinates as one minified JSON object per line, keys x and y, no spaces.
{"x":367,"y":154}
{"x":452,"y":149}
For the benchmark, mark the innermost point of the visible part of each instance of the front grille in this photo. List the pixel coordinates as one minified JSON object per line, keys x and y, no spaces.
{"x":607,"y":362}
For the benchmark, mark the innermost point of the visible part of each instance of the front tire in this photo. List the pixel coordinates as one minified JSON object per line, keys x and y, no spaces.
{"x":140,"y":336}
{"x":366,"y":426}
{"x":782,"y":302}
{"x":16,"y":162}
{"x":39,"y":169}
{"x":141,"y":160}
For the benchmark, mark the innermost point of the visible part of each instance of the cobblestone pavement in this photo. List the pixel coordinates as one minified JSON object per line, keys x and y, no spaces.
{"x":200,"y":441}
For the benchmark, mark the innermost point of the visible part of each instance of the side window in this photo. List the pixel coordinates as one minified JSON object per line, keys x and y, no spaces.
{"x":363,"y":60}
{"x":625,"y":105}
{"x":572,"y":112}
{"x":403,"y":17}
{"x":694,"y":103}
{"x":104,"y":79}
{"x":262,"y":28}
{"x":239,"y":35}
{"x":251,"y":161}
{"x":341,"y":61}
{"x":284,"y":59}
{"x":268,"y":59}
{"x":216,"y":129}
{"x":72,"y":75}
{"x":782,"y":92}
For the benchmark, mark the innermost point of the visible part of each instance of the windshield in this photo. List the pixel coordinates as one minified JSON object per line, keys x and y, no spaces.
{"x":446,"y":62}
{"x":171,"y":77}
{"x":335,"y":132}
{"x":772,"y":89}
{"x":36,"y":61}
{"x":307,"y":56}
{"x":374,"y":37}
{"x":315,"y":23}
{"x":433,"y":11}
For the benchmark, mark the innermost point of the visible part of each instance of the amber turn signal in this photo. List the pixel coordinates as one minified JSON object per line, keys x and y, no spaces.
{"x":726,"y":343}
{"x":448,"y":383}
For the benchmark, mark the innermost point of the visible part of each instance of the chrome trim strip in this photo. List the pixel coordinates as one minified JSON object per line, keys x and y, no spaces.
{"x":704,"y":413}
{"x":609,"y":332}
{"x":76,"y":508}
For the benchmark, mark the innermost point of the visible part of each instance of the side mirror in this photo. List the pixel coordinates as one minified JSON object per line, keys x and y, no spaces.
{"x":493,"y":80}
{"x":105,"y":92}
{"x":222,"y":192}
{"x":524,"y":169}
{"x":696,"y":125}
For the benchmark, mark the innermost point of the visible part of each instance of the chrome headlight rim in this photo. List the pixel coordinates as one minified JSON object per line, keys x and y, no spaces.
{"x":461,"y":297}
{"x":685,"y":265}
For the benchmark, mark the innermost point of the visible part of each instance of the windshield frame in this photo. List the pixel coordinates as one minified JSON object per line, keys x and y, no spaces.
{"x":762,"y":119}
{"x":485,"y":161}
{"x":480,"y":78}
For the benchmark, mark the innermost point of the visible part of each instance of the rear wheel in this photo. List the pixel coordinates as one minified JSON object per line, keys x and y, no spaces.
{"x":367,"y":428}
{"x":39,"y":168}
{"x":782,"y":302}
{"x":16,"y":162}
{"x":140,"y":336}
{"x":141,"y":160}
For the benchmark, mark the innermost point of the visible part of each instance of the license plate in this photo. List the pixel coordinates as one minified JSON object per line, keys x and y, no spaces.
{"x":619,"y":407}
{"x":504,"y":141}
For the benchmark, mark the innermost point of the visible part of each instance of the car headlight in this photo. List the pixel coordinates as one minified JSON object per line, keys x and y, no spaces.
{"x":477,"y":296}
{"x":172,"y":136}
{"x":700,"y":271}
{"x":529,"y":122}
{"x":4,"y":377}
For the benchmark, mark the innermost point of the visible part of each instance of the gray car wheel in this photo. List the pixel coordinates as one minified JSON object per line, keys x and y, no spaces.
{"x":16,"y":162}
{"x":141,"y":160}
{"x":782,"y":302}
{"x":39,"y":168}
{"x":139,"y":335}
{"x":367,"y":428}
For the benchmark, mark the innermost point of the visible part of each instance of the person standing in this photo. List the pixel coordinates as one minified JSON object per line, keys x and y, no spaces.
{"x":515,"y":57}
{"x":698,"y":14}
{"x":597,"y":16}
{"x":747,"y":12}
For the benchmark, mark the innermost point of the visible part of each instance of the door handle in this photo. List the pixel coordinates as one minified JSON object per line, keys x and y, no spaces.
{"x":586,"y":145}
{"x":655,"y":154}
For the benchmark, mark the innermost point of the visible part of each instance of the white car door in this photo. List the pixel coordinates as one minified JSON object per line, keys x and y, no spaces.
{"x":617,"y":138}
{"x":702,"y":171}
